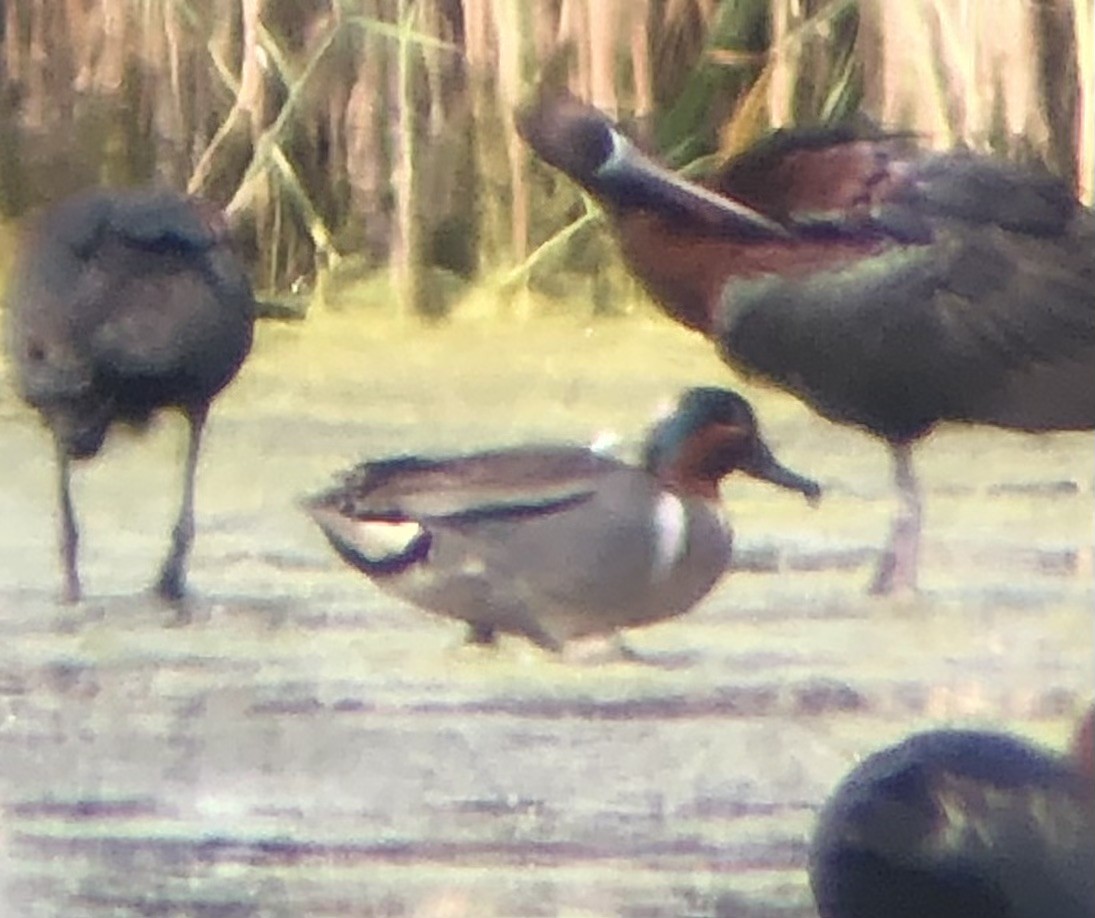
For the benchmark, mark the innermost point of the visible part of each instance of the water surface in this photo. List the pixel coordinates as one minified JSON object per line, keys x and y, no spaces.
{"x":300,"y":744}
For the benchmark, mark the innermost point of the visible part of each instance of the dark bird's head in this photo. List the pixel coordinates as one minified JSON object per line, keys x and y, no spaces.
{"x":583,"y":143}
{"x":53,"y":375}
{"x":711,"y":433}
{"x":575,"y":138}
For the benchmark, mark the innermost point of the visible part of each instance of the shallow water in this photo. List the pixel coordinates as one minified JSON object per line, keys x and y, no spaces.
{"x":299,"y":744}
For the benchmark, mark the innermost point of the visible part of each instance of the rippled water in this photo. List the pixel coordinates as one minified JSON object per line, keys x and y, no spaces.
{"x":299,"y":744}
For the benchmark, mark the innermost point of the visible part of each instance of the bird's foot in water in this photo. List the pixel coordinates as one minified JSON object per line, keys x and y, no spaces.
{"x":171,"y":589}
{"x":71,"y":594}
{"x":894,"y":575}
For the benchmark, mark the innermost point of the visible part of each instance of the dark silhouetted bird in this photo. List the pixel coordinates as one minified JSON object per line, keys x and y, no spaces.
{"x":555,"y":542}
{"x":123,"y":303}
{"x":960,"y":824}
{"x":887,"y":287}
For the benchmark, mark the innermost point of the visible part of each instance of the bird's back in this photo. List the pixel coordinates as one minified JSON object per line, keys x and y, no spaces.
{"x":957,"y":823}
{"x":132,"y":291}
{"x":977,"y":304}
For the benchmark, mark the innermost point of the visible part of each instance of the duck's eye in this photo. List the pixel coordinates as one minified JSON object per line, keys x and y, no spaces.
{"x":35,"y":352}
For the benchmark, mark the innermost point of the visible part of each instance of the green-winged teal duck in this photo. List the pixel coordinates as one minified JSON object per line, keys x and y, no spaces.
{"x":556,"y":542}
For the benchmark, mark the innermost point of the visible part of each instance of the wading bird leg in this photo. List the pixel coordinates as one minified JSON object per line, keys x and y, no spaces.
{"x":70,"y":538}
{"x":898,"y":565}
{"x":172,"y":582}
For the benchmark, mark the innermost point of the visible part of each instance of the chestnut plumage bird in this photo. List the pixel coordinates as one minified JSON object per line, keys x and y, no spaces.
{"x":123,"y":303}
{"x":960,"y":824}
{"x":886,"y":286}
{"x":559,"y":542}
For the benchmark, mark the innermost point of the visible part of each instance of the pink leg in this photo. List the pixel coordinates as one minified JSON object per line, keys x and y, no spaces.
{"x":897,"y":568}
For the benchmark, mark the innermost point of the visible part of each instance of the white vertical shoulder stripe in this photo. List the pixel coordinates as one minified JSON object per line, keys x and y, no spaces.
{"x":670,"y":534}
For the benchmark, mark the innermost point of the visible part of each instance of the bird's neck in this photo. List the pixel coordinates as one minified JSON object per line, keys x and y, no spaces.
{"x":697,"y":465}
{"x":687,"y":270}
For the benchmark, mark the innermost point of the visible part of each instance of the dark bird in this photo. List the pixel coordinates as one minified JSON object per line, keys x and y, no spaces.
{"x":555,"y":542}
{"x":123,"y":303}
{"x":887,"y":287}
{"x":960,"y":824}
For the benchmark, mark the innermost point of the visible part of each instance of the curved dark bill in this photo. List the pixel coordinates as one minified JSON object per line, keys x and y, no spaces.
{"x":636,"y":180}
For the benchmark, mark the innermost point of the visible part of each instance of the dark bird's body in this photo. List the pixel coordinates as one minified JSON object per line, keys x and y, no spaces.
{"x":124,"y":303}
{"x":887,"y":287}
{"x":554,"y":542}
{"x":960,"y":824}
